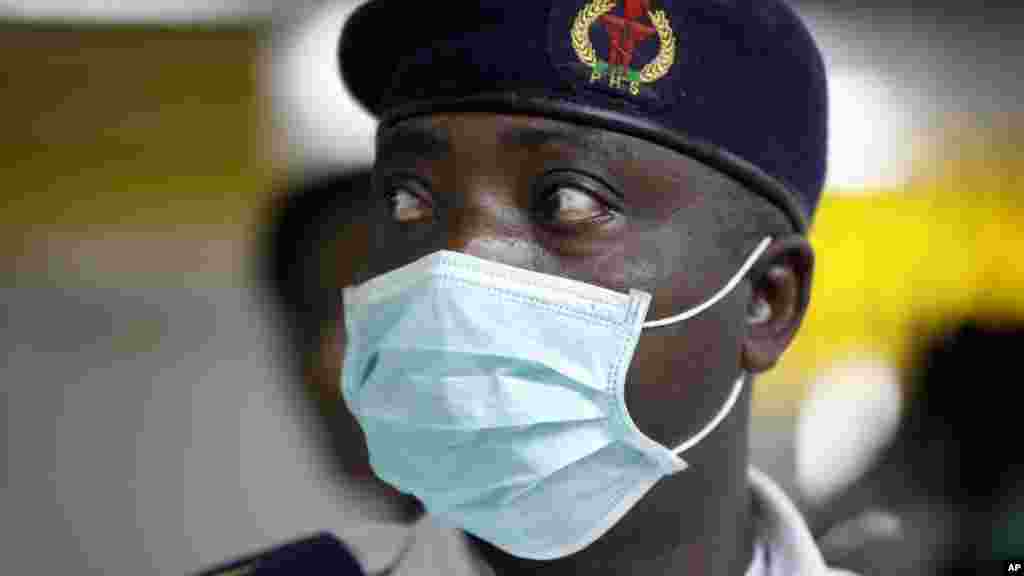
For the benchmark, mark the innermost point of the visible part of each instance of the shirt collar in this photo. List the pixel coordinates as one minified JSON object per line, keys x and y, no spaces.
{"x":784,"y":543}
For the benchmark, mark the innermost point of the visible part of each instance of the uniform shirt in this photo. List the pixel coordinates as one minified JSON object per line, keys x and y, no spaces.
{"x":783,"y":546}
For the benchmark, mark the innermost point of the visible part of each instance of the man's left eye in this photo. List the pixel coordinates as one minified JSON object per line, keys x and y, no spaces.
{"x":568,"y":204}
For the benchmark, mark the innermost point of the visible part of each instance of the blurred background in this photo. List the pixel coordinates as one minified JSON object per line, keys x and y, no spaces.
{"x":153,"y":423}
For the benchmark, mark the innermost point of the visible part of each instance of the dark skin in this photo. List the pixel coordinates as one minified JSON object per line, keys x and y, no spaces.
{"x":617,"y":212}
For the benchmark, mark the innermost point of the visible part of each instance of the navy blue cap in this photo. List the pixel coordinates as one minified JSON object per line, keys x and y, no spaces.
{"x":737,"y":84}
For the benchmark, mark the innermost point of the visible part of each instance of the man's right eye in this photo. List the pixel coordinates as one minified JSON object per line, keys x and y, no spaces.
{"x":407,"y":206}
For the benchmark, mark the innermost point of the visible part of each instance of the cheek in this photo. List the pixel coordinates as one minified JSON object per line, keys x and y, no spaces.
{"x":680,"y":374}
{"x":671,"y":363}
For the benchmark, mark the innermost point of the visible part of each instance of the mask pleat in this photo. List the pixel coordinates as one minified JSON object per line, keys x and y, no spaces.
{"x":462,"y":390}
{"x":484,"y":458}
{"x":598,"y":480}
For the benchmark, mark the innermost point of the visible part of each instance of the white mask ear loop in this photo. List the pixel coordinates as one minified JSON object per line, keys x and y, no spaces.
{"x":733,"y":396}
{"x":738,"y":386}
{"x":718,"y":295}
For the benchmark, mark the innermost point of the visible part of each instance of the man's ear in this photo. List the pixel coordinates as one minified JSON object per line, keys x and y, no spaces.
{"x":778,"y":301}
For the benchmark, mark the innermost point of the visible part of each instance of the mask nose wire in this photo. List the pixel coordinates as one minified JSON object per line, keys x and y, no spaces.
{"x":751,"y":260}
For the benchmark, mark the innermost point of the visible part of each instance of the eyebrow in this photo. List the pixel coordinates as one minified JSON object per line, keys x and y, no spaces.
{"x":429,"y":141}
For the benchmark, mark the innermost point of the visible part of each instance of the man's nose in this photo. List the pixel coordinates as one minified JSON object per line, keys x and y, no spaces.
{"x":490,"y":225}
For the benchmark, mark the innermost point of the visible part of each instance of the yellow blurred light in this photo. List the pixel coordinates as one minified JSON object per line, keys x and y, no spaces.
{"x":891,"y":261}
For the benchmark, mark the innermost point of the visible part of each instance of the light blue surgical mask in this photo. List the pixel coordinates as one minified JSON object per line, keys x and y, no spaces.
{"x":496,"y":396}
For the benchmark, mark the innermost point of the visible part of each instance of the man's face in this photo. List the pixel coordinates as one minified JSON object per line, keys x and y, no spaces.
{"x":594,"y":206}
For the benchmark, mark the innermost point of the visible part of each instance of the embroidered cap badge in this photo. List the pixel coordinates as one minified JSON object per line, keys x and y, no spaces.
{"x":625,"y":34}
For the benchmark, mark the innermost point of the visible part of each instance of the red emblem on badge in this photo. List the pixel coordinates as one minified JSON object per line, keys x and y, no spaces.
{"x":637,"y":24}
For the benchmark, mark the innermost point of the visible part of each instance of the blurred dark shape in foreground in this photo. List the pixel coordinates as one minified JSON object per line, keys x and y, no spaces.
{"x":314,"y":242}
{"x":947,"y":495}
{"x":310,"y":213}
{"x":302,"y":271}
{"x":319,"y":554}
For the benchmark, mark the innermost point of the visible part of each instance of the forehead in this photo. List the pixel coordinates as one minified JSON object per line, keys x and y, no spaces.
{"x":518,"y":131}
{"x":510,"y":131}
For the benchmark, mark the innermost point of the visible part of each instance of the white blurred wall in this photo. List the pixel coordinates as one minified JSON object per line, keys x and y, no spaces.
{"x":149,"y":431}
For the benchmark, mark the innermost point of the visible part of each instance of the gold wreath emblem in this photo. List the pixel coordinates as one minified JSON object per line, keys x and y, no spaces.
{"x":590,"y":13}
